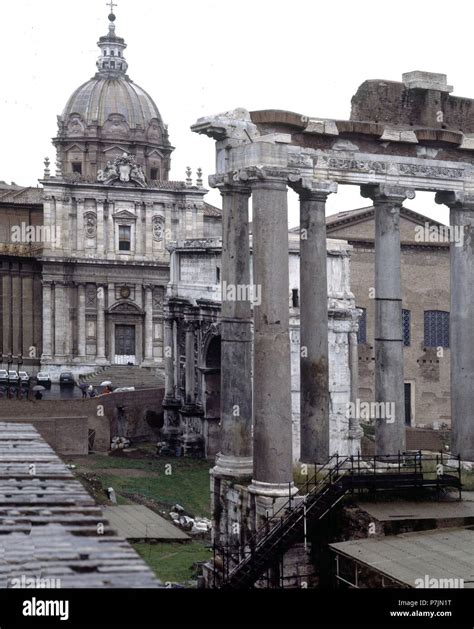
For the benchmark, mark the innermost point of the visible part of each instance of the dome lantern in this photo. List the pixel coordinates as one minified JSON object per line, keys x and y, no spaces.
{"x":111,"y":61}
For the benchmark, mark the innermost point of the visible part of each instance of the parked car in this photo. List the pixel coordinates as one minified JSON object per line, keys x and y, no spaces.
{"x":66,"y":378}
{"x":24,"y":378}
{"x":13,"y":377}
{"x":43,"y":379}
{"x":3,"y":376}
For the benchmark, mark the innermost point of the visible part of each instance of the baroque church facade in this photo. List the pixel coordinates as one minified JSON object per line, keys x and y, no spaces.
{"x":84,"y":258}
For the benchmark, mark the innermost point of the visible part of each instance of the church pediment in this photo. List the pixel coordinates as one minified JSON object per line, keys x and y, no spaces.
{"x":125,"y":307}
{"x":116,"y":147}
{"x":155,"y":152}
{"x":125,"y":214}
{"x":75,"y":147}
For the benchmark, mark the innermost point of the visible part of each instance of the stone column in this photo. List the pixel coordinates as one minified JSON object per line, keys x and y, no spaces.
{"x":100,"y":228}
{"x":314,"y":360}
{"x":168,"y":354}
{"x":139,"y":230}
{"x":80,"y":203}
{"x":60,"y":323}
{"x":461,"y":321}
{"x":81,"y":320}
{"x":190,"y":366}
{"x":235,"y":456}
{"x":100,"y":324}
{"x":272,"y":451}
{"x":110,"y":228}
{"x":148,"y":228}
{"x":47,"y":315}
{"x":389,"y":385}
{"x":148,"y":331}
{"x":355,"y":430}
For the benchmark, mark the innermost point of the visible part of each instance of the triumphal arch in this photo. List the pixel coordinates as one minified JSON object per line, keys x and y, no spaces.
{"x":401,"y":137}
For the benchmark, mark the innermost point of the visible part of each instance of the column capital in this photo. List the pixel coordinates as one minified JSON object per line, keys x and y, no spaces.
{"x":309,"y":188}
{"x":385,"y":193}
{"x":458,"y":200}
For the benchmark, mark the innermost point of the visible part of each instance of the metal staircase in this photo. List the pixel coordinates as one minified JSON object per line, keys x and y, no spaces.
{"x":331,"y":483}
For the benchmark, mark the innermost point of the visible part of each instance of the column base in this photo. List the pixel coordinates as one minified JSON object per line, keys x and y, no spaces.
{"x":272,"y":490}
{"x":148,"y":362}
{"x":102,"y":361}
{"x":240,"y":467}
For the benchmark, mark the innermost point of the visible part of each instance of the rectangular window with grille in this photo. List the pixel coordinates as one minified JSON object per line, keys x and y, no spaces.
{"x":436,"y":329}
{"x":406,"y":315}
{"x":362,"y":333}
{"x":124,"y":237}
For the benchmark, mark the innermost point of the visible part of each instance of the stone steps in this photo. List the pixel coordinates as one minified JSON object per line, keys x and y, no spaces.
{"x":126,"y":376}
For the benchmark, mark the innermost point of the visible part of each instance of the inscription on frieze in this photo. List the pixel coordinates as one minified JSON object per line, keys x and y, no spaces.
{"x":430,"y":171}
{"x":365,"y":166}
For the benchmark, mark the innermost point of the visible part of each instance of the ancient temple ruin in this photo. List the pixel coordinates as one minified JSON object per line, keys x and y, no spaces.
{"x":401,"y":137}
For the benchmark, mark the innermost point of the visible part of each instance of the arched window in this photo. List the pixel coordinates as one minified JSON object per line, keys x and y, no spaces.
{"x":436,"y":332}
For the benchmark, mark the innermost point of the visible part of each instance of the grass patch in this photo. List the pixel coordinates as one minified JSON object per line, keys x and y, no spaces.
{"x":173,"y":562}
{"x":186,"y":483}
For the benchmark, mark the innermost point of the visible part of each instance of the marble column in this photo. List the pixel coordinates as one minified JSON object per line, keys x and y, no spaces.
{"x":101,"y":324}
{"x":272,"y":445}
{"x":100,"y":228}
{"x":148,"y":325}
{"x":47,"y":316}
{"x":314,"y":359}
{"x":389,"y":384}
{"x":461,"y":321}
{"x":81,"y":320}
{"x":235,"y":456}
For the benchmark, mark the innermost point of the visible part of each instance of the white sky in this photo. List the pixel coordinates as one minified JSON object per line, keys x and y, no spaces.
{"x":200,"y":57}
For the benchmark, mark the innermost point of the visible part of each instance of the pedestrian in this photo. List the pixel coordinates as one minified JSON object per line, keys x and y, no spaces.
{"x":38,"y":395}
{"x":83,"y":388}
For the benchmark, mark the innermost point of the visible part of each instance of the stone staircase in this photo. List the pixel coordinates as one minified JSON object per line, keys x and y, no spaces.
{"x":127,"y":376}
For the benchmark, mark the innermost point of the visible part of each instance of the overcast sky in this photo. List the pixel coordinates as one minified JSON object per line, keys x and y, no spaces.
{"x":203,"y":57}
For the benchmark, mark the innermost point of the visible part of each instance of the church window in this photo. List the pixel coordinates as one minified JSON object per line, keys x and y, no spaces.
{"x":436,"y":330}
{"x":406,"y":316}
{"x":119,"y":53}
{"x":295,"y":300}
{"x":77,"y":167}
{"x":362,"y":332}
{"x":112,"y":53}
{"x":112,"y":64}
{"x":154,"y":174}
{"x":124,"y":237}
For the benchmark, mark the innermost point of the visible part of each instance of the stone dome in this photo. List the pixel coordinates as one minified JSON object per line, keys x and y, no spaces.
{"x":100,"y":97}
{"x":109,"y":115}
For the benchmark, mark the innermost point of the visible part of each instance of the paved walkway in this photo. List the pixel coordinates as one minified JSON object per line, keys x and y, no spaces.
{"x":139,"y":522}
